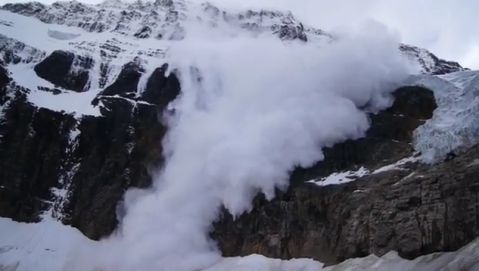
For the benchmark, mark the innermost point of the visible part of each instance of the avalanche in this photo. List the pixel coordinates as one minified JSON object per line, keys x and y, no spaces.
{"x":261,"y":94}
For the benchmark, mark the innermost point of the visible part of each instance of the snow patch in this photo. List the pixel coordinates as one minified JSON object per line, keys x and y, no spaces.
{"x":67,"y":101}
{"x":397,"y":165}
{"x":341,"y":177}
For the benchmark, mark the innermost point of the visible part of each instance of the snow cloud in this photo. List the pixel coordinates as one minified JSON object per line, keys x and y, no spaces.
{"x":251,"y":109}
{"x":445,"y":27}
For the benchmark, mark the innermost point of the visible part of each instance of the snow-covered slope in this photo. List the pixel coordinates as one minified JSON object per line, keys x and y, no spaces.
{"x":44,"y":246}
{"x":162,"y":19}
{"x":114,"y":33}
{"x":47,"y":246}
{"x":427,"y":62}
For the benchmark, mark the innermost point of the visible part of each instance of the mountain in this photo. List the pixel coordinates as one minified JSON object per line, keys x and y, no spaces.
{"x":84,"y":91}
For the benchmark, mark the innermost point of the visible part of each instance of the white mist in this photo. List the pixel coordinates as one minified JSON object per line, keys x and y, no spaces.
{"x":252,"y":108}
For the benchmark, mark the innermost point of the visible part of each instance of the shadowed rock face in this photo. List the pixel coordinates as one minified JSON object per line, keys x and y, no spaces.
{"x":95,"y":159}
{"x":4,"y":80}
{"x":429,"y":62}
{"x":387,"y":140}
{"x":114,"y":153}
{"x":127,"y":81}
{"x":417,"y":210}
{"x":169,"y":86}
{"x":31,"y":150}
{"x":66,"y":70}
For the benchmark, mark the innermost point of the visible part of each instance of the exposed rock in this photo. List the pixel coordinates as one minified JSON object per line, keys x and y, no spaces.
{"x":430,"y":63}
{"x":162,"y":19}
{"x":13,"y":51}
{"x":143,"y":33}
{"x":95,"y":158}
{"x":114,"y":153}
{"x":28,"y":9}
{"x":415,"y":210}
{"x":288,"y":32}
{"x":66,"y":70}
{"x":412,"y":211}
{"x":169,"y":86}
{"x":387,"y":140}
{"x":32,"y":145}
{"x":127,"y":81}
{"x":4,"y":80}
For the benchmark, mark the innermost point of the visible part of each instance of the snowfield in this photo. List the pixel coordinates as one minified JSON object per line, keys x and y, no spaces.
{"x":47,"y":246}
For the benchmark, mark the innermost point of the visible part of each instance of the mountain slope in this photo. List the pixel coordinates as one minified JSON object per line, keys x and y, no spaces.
{"x":84,"y":91}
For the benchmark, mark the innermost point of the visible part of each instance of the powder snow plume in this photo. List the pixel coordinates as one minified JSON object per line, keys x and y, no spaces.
{"x":252,"y":108}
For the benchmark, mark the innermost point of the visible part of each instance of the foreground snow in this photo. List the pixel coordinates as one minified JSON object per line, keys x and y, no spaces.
{"x":44,"y":246}
{"x":49,"y":246}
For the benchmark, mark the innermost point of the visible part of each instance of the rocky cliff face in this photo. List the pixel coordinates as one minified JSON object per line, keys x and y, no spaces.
{"x":75,"y":161}
{"x":409,"y":207}
{"x":77,"y":169}
{"x":162,"y":20}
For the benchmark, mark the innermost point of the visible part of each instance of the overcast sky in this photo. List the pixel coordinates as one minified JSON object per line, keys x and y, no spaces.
{"x":449,"y":28}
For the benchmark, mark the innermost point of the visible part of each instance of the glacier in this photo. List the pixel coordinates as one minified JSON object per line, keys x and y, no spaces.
{"x":455,"y":123}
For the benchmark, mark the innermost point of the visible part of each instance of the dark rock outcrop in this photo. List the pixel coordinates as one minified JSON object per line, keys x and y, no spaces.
{"x":92,"y":159}
{"x":387,"y":140}
{"x":28,"y":9}
{"x":127,"y":81}
{"x":415,"y":210}
{"x":429,"y":62}
{"x":14,"y":52}
{"x":144,"y":32}
{"x":114,"y":153}
{"x":66,"y":70}
{"x":291,"y":32}
{"x":4,"y":80}
{"x":160,"y":89}
{"x":32,"y":148}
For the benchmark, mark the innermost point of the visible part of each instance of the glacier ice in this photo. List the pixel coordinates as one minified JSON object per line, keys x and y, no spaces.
{"x":455,"y":123}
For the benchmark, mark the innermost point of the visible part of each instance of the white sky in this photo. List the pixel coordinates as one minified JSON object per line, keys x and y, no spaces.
{"x":448,"y":28}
